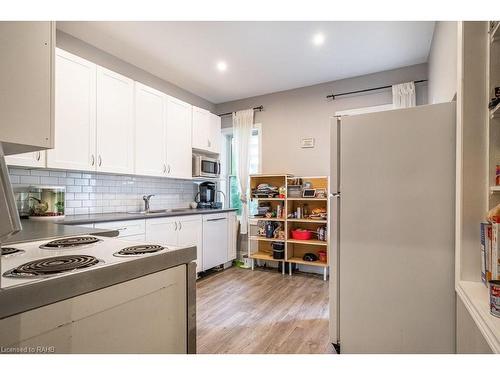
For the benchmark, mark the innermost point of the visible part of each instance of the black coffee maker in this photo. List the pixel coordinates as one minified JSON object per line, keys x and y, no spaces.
{"x":206,"y":195}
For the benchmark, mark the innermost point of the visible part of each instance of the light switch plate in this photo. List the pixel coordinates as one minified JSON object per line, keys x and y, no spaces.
{"x":307,"y":143}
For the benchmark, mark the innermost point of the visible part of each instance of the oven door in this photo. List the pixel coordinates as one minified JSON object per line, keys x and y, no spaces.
{"x":209,"y":167}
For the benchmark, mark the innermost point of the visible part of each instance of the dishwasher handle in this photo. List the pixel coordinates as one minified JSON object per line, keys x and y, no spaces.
{"x":218,"y":219}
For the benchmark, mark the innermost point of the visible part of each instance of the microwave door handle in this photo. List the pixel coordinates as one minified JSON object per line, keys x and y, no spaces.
{"x":218,"y":168}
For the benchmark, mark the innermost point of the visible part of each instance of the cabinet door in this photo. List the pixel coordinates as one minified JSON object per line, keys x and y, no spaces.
{"x":27,"y":85}
{"x":232,"y":236}
{"x":201,"y":126}
{"x":150,"y":132}
{"x":115,"y":123}
{"x":162,"y":231}
{"x":190,"y":233}
{"x":75,"y":114}
{"x":214,"y":240}
{"x":29,"y":159}
{"x":214,"y":133}
{"x":179,"y":149}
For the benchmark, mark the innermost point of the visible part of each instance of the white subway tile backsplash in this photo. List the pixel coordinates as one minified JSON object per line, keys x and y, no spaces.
{"x":58,"y":173}
{"x":73,"y":204}
{"x":49,"y":180}
{"x":102,"y":193}
{"x":73,"y":189}
{"x":33,"y":180}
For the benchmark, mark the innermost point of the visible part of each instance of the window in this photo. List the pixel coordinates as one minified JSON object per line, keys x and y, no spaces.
{"x":232,"y":185}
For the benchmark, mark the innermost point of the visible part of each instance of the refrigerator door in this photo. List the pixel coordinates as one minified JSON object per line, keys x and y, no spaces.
{"x":397,"y":178}
{"x":333,"y":231}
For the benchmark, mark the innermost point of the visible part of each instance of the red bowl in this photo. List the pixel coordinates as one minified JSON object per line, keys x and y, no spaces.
{"x":301,"y":235}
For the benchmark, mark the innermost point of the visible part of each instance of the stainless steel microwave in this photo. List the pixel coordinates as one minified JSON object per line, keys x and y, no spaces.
{"x":204,"y":166}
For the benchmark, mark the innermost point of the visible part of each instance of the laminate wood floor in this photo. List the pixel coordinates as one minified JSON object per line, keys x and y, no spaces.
{"x":242,"y":311}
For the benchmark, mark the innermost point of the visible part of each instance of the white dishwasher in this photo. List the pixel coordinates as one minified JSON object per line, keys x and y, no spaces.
{"x":215,"y":240}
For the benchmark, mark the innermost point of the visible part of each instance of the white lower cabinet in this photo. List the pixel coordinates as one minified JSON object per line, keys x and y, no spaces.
{"x":215,"y":240}
{"x":214,"y":235}
{"x":162,"y":230}
{"x":191,"y":234}
{"x":177,"y":231}
{"x":129,"y":230}
{"x":232,"y":236}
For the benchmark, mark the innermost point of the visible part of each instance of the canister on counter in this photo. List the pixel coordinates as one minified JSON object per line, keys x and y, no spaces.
{"x":495,"y":298}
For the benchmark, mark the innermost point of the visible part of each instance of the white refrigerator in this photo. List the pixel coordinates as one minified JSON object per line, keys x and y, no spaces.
{"x":392,"y":197}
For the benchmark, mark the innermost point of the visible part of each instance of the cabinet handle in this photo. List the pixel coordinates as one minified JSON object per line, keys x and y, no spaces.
{"x":168,"y":171}
{"x":221,"y":218}
{"x":93,"y":159}
{"x":164,"y":168}
{"x":100,"y":160}
{"x":176,"y":225}
{"x":120,"y":229}
{"x":38,"y":156}
{"x":180,"y":225}
{"x":208,"y":142}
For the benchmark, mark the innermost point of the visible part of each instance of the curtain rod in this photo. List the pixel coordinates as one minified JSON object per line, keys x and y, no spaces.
{"x":333,"y":96}
{"x":258,"y":109}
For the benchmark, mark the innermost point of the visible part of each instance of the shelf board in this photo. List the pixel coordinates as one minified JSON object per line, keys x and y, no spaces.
{"x":307,"y":221}
{"x":297,"y":260}
{"x":307,"y":199}
{"x":266,"y":219}
{"x":308,"y":242}
{"x":268,"y":199}
{"x":264,"y":256}
{"x":475,"y":296}
{"x":495,"y":112}
{"x":258,"y":238}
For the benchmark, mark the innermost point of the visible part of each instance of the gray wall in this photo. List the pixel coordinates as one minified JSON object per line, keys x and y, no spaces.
{"x":443,"y":63}
{"x":289,"y":116}
{"x":97,"y":56}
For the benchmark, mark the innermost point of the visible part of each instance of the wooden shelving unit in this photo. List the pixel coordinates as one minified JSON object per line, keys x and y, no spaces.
{"x":259,"y":247}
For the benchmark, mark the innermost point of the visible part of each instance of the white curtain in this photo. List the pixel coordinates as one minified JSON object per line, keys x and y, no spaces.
{"x":403,"y":95}
{"x":242,"y":133}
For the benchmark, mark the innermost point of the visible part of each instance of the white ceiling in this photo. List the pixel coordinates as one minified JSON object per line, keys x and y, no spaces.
{"x":262,"y":57}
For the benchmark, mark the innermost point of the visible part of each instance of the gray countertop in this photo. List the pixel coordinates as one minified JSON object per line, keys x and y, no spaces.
{"x":33,"y":295}
{"x":101,"y":218}
{"x":45,"y":230}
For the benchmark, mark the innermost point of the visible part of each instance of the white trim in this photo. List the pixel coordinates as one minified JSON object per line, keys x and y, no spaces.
{"x":360,"y":111}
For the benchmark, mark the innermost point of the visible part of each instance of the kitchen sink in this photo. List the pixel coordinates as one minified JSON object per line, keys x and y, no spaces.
{"x":152,"y":212}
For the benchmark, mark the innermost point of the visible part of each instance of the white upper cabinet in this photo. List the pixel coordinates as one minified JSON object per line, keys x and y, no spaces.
{"x":201,"y":129}
{"x":214,"y":133}
{"x":206,"y":131}
{"x":179,"y":153}
{"x":75,"y":114}
{"x":29,"y":159}
{"x":27,"y":85}
{"x":115,"y":122}
{"x":150,"y":131}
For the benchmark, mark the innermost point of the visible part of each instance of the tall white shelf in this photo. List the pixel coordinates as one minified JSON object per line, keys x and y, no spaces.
{"x":478,"y":152}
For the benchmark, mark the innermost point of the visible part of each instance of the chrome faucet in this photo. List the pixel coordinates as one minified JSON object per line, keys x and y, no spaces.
{"x":146,"y":199}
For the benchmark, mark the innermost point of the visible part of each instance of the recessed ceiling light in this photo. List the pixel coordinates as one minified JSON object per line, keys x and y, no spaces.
{"x":221,"y":66}
{"x":318,"y":39}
